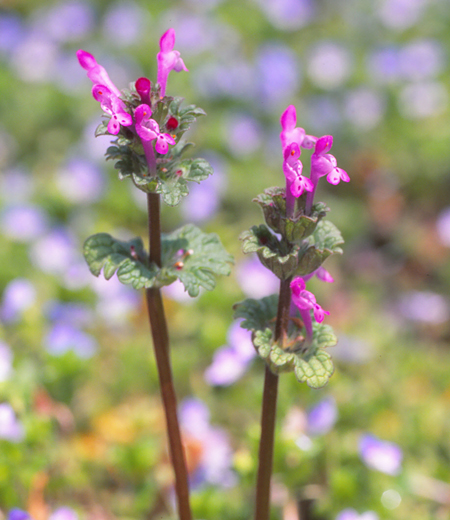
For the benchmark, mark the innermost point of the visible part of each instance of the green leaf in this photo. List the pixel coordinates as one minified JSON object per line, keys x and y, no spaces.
{"x":324,"y":242}
{"x":172,"y":190}
{"x":315,"y":369}
{"x":262,"y":340}
{"x":323,"y":336}
{"x":280,"y":257}
{"x":129,"y":259}
{"x":195,"y":169}
{"x":256,"y":313}
{"x":195,"y":258}
{"x":295,"y":229}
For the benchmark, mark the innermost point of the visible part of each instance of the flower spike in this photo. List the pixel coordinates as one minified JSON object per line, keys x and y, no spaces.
{"x":323,"y":163}
{"x":305,"y":301}
{"x":95,"y":72}
{"x":168,"y":59}
{"x":148,"y":129}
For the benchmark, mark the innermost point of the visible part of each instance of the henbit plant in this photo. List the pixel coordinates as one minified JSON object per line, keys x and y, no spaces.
{"x":290,"y":337}
{"x":148,"y":149}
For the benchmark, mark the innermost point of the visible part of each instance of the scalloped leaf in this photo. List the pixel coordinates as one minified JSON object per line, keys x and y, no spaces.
{"x":315,"y":370}
{"x":324,"y":242}
{"x":103,"y":252}
{"x":295,"y":229}
{"x":195,"y":258}
{"x":262,"y":340}
{"x":281,"y":258}
{"x":256,"y":313}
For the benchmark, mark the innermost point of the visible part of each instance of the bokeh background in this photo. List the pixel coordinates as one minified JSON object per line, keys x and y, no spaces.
{"x":81,"y":426}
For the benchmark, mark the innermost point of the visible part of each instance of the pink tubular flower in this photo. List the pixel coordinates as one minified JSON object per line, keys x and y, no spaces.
{"x":306,"y":301}
{"x":323,"y":163}
{"x":96,"y":73}
{"x":112,"y":105}
{"x":291,"y":134}
{"x":321,"y":273}
{"x":148,"y":129}
{"x":143,"y":87}
{"x":168,"y":59}
{"x":292,"y":169}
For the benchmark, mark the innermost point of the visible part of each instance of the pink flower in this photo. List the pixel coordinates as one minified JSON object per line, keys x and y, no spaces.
{"x":306,"y":300}
{"x":112,"y":105}
{"x":321,"y":273}
{"x":96,"y":73}
{"x":148,"y":129}
{"x":292,"y":169}
{"x":168,"y":59}
{"x":291,"y":134}
{"x":323,"y":163}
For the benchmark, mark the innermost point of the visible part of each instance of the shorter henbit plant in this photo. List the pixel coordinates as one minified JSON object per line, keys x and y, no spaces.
{"x":287,"y":329}
{"x":148,"y":127}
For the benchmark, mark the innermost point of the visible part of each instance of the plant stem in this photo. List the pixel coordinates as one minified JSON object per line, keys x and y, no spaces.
{"x":269,"y":408}
{"x":161,"y":345}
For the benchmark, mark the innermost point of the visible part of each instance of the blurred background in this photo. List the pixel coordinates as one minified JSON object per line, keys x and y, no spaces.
{"x":81,"y":426}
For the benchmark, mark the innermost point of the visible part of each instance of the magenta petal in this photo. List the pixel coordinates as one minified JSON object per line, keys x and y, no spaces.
{"x":124,"y":118}
{"x":161,"y":145}
{"x":167,"y":41}
{"x":169,"y":139}
{"x":333,"y":177}
{"x":101,"y":93}
{"x":179,"y":65}
{"x":309,"y":141}
{"x":142,"y":113}
{"x":145,"y":133}
{"x":289,"y":118}
{"x":297,"y":285}
{"x":292,"y":151}
{"x":324,"y":144}
{"x":321,"y":165}
{"x":113,"y":126}
{"x":86,"y":60}
{"x":343,"y":174}
{"x":324,"y":275}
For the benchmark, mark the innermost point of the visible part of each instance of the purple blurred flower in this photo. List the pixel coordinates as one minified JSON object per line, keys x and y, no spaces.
{"x":19,"y":295}
{"x":351,"y":514}
{"x":11,"y":428}
{"x":195,"y":33}
{"x":34,"y":58}
{"x":55,"y":251}
{"x":322,"y":113}
{"x":81,"y":181}
{"x":204,"y":198}
{"x":67,"y":21}
{"x":424,"y":99}
{"x":232,"y":360}
{"x":421,"y":59}
{"x":243,"y":134}
{"x":401,"y":14}
{"x":12,"y":32}
{"x":124,"y":23}
{"x":353,"y":350}
{"x":216,"y":454}
{"x":6,"y":359}
{"x":278,"y":73}
{"x":24,"y":223}
{"x":384,"y":65}
{"x":288,"y":15}
{"x":443,"y":226}
{"x":176,"y":291}
{"x":380,"y":455}
{"x":63,"y":337}
{"x":329,"y":65}
{"x":76,"y":314}
{"x":424,"y":306}
{"x":364,"y":108}
{"x":16,"y":186}
{"x":255,"y":280}
{"x":63,"y":513}
{"x":168,"y":59}
{"x":18,"y":514}
{"x":322,"y":417}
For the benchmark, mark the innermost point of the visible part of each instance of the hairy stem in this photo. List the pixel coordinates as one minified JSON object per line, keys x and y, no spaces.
{"x":269,"y":409}
{"x":161,"y":345}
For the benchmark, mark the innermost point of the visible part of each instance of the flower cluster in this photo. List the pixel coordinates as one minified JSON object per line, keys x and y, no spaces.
{"x":293,"y":139}
{"x":122,"y":114}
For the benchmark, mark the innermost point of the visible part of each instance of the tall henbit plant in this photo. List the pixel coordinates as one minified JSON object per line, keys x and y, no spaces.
{"x":287,"y":341}
{"x":148,"y":149}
